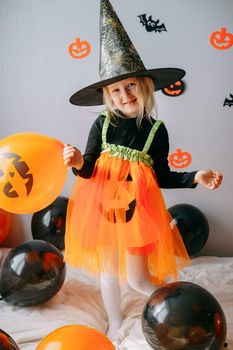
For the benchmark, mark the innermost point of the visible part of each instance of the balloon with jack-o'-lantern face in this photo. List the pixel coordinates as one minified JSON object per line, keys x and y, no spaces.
{"x":32,"y":172}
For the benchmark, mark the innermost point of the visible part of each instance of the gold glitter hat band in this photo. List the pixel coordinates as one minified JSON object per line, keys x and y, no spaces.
{"x":119,"y":60}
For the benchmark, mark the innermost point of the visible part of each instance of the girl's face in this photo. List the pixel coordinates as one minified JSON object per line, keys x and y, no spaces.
{"x":124,"y":95}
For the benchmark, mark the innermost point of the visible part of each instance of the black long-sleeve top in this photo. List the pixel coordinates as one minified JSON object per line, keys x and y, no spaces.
{"x":125,"y":132}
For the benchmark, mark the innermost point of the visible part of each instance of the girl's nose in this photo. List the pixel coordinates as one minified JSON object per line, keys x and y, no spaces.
{"x":125,"y":93}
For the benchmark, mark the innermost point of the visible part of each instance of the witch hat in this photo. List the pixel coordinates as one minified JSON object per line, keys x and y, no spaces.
{"x":119,"y":60}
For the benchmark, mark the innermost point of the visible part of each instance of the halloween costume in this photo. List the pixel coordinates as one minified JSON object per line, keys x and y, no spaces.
{"x":120,"y":208}
{"x":124,"y":131}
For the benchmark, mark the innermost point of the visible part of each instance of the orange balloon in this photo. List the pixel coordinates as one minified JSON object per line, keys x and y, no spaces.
{"x":32,"y":172}
{"x":75,"y":337}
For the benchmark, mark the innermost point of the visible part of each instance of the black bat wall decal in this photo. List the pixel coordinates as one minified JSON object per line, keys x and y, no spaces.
{"x":228,"y":102}
{"x":152,"y":25}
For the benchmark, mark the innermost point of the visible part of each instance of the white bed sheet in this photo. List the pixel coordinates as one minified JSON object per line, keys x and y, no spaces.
{"x":79,"y":302}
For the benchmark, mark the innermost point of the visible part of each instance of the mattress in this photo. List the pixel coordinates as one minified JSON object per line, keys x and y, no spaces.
{"x":79,"y":302}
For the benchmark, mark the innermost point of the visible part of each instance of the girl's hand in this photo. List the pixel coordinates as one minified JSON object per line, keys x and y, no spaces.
{"x":72,"y":157}
{"x":208,"y":178}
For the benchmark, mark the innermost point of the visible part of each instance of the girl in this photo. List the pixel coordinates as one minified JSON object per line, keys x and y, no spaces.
{"x":117,"y":222}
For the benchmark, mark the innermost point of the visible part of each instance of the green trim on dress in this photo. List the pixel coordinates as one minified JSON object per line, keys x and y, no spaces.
{"x":126,"y":152}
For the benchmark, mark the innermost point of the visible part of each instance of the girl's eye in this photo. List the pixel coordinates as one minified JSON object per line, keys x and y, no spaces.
{"x":115,"y":92}
{"x":131,"y":85}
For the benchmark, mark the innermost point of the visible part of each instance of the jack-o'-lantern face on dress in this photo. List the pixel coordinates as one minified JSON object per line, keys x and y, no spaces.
{"x":15,"y":178}
{"x":120,"y":202}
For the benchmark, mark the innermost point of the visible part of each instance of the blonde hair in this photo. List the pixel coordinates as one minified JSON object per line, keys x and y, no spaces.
{"x":146,"y":100}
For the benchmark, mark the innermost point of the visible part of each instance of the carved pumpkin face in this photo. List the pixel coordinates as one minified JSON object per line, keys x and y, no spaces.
{"x":221,"y":40}
{"x":15,"y":178}
{"x":175,"y":89}
{"x":180,"y":159}
{"x":120,"y":204}
{"x":79,"y":49}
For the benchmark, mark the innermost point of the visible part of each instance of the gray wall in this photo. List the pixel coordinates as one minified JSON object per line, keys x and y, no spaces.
{"x":38,"y":76}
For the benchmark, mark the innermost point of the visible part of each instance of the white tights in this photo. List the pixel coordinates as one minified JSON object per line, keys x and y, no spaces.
{"x":138,"y":279}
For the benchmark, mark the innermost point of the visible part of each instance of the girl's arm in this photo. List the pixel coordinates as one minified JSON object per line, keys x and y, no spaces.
{"x":83,"y":165}
{"x":172,"y":179}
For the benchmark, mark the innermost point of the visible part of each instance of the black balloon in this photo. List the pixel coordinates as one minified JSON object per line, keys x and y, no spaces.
{"x":183,"y":315}
{"x":6,"y":342}
{"x":49,"y":223}
{"x":193,"y":226}
{"x":32,"y":273}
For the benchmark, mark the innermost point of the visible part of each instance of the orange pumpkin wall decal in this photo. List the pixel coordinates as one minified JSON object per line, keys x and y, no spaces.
{"x":221,"y":39}
{"x":175,"y":89}
{"x":180,"y":159}
{"x":79,"y":49}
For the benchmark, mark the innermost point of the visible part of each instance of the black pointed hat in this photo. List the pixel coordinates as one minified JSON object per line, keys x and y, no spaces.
{"x":119,"y":60}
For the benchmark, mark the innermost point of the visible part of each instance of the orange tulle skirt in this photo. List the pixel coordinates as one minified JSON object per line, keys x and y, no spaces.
{"x":120,"y":210}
